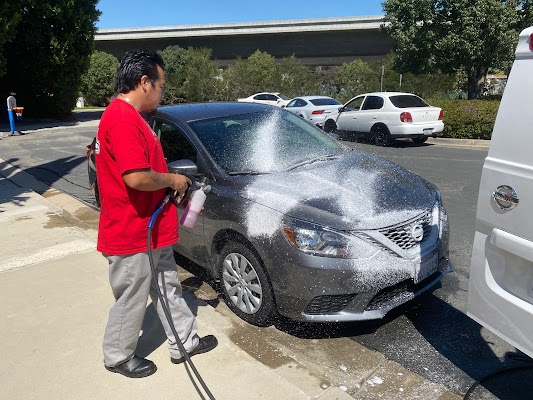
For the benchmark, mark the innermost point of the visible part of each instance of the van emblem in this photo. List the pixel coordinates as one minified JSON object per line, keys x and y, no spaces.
{"x":505,"y":197}
{"x":417,"y":232}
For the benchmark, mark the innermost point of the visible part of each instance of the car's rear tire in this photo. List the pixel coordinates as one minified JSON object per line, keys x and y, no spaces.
{"x":381,"y":135}
{"x":96,"y":193}
{"x":419,"y":140}
{"x":330,"y":126}
{"x":245,"y":285}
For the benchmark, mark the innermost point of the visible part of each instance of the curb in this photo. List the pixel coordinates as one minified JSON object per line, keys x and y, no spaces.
{"x":485,"y":144}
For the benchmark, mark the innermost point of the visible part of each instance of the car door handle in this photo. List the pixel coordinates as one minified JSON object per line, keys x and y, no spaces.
{"x":375,"y":117}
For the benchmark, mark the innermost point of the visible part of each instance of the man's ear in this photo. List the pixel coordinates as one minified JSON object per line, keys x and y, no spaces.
{"x":144,"y":81}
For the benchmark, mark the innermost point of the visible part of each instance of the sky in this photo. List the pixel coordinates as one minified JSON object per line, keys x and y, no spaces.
{"x":142,"y":13}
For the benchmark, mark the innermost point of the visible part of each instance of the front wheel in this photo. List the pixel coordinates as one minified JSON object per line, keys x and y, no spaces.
{"x":245,"y":285}
{"x":330,"y":126}
{"x":419,"y":140}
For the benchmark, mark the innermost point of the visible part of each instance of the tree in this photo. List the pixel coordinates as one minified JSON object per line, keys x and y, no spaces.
{"x":296,"y":78}
{"x":450,"y":36}
{"x":9,"y":20}
{"x":202,"y":76}
{"x":423,"y":85}
{"x":98,"y":83}
{"x":356,"y":77}
{"x":175,"y":58}
{"x":258,"y":73}
{"x":49,"y":53}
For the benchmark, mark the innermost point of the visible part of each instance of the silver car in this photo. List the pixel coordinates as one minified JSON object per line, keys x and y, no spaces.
{"x":297,"y":224}
{"x":313,"y":108}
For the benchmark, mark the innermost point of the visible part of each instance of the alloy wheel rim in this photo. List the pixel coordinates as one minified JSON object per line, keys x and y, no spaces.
{"x":242,"y":283}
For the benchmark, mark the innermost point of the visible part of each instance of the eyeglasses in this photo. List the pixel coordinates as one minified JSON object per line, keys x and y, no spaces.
{"x":153,"y":81}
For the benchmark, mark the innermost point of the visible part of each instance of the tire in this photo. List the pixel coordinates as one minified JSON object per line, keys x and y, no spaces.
{"x":419,"y":140}
{"x":330,"y":126}
{"x":381,"y":135}
{"x":94,"y":187}
{"x":245,"y":285}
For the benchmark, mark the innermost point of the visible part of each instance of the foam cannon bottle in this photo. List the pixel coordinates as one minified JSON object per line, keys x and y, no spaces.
{"x":194,"y":206}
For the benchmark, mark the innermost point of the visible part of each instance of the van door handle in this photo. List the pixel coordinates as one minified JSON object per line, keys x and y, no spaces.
{"x":505,"y":197}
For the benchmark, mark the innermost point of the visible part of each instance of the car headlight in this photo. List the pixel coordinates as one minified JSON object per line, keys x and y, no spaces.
{"x":325,"y":242}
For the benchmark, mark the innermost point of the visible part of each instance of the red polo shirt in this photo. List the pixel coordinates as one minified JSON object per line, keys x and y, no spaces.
{"x":125,"y":142}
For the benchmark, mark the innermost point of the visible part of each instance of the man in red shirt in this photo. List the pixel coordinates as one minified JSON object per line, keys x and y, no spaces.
{"x":133,"y":179}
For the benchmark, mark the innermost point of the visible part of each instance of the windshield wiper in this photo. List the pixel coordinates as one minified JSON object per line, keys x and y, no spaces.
{"x":313,"y":160}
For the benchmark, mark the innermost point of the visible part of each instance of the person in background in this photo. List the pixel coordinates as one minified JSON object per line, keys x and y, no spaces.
{"x":133,"y":179}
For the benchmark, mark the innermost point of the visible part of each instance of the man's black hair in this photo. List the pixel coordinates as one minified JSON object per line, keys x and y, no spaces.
{"x":133,"y":66}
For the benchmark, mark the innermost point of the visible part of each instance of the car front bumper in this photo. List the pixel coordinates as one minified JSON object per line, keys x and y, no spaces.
{"x":322,"y":289}
{"x":327,"y":289}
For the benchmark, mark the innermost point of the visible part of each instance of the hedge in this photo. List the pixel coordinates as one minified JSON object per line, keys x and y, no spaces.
{"x":467,"y":119}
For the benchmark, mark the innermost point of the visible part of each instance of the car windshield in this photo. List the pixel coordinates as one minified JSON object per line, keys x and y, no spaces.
{"x":407,"y":100}
{"x":264,"y":142}
{"x":282,"y":96}
{"x":325,"y":102}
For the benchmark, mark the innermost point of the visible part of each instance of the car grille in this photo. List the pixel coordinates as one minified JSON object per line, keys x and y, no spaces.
{"x":328,"y":304}
{"x":396,"y":293}
{"x":401,"y":234}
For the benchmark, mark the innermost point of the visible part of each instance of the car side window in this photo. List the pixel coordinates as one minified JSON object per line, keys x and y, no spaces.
{"x":373,"y":103}
{"x":355,"y":104}
{"x":175,"y":144}
{"x":260,"y":97}
{"x":301,"y":103}
{"x":292,"y":103}
{"x":271,"y":97}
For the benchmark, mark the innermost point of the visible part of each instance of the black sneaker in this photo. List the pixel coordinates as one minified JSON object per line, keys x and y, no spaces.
{"x":135,"y":367}
{"x":206,"y":343}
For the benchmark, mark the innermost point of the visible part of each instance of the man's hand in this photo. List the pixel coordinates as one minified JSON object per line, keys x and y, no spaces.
{"x":180,"y":184}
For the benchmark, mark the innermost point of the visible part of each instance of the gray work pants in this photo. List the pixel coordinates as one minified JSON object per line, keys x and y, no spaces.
{"x":130,"y":277}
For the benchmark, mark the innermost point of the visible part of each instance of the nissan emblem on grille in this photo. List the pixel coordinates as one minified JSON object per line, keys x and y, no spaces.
{"x":417,"y":232}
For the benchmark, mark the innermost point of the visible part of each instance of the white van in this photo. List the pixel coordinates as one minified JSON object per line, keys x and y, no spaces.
{"x":501,"y":276}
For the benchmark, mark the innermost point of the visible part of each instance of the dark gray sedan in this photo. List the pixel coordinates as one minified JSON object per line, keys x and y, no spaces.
{"x":297,"y":224}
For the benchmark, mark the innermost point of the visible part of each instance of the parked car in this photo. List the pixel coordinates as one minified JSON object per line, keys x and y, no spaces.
{"x":385,"y":116}
{"x":273,"y":99}
{"x":296,"y":223}
{"x":313,"y":108}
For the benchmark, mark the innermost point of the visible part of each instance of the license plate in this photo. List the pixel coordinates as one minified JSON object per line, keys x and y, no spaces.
{"x":428,"y":131}
{"x":427,"y":267}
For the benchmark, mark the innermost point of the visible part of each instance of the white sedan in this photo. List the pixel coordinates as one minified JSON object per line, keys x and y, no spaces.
{"x":385,"y":116}
{"x":313,"y":108}
{"x":274,"y":99}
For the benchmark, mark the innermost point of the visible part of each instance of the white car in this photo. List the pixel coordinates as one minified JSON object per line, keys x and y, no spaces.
{"x":386,"y":116}
{"x":313,"y":108}
{"x":274,"y":99}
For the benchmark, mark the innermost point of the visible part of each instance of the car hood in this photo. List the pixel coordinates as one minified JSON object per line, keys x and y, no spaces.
{"x":356,"y":191}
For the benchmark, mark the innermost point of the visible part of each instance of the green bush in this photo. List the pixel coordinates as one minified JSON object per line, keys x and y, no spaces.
{"x":467,"y":119}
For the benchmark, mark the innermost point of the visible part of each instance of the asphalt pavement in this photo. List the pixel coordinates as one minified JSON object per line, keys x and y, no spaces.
{"x":56,"y":298}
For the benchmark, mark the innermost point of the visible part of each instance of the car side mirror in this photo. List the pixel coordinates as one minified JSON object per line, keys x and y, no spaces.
{"x":183,"y":167}
{"x":341,"y":109}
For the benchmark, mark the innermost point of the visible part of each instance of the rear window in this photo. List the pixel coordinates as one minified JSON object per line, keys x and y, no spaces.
{"x":406,"y":101}
{"x":325,"y":102}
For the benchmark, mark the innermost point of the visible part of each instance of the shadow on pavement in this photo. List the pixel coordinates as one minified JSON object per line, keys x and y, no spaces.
{"x":397,"y":143}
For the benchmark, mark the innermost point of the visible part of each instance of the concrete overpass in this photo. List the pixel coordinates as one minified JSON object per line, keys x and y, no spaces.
{"x":316,"y":42}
